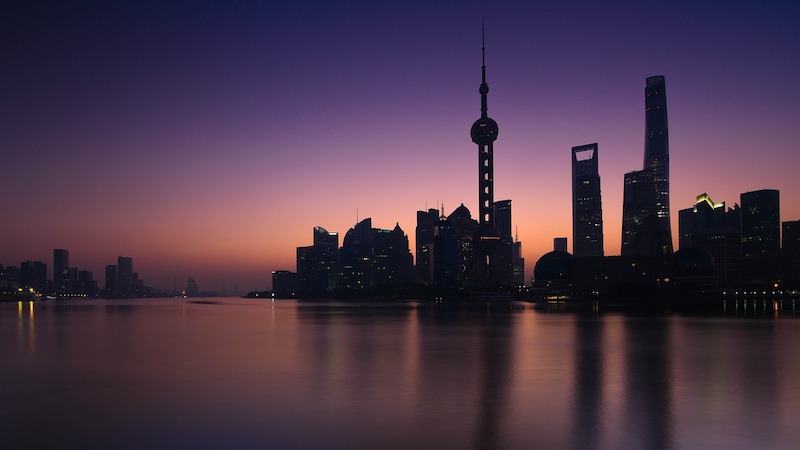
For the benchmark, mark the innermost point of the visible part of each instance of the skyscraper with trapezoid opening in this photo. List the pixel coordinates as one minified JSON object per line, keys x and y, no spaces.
{"x":587,"y":210}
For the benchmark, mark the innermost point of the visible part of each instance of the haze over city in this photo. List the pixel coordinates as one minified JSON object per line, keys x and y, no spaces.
{"x":206,"y":139}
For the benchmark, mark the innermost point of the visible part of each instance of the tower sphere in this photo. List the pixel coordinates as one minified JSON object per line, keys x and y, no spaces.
{"x":484,"y":131}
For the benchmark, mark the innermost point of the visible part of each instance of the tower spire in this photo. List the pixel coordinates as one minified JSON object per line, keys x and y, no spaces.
{"x":484,"y":133}
{"x":484,"y":89}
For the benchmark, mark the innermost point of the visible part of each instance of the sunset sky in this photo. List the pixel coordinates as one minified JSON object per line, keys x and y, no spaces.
{"x":207,"y":139}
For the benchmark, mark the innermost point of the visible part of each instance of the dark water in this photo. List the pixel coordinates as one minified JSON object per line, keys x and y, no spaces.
{"x":259,"y":374}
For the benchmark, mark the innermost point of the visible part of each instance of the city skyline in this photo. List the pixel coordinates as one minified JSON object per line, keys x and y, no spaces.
{"x":209,"y":142}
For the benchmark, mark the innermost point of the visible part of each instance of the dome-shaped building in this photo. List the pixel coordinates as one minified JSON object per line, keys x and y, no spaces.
{"x":555,"y":265}
{"x":553,"y":272}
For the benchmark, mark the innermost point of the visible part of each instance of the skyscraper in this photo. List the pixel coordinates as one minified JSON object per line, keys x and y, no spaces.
{"x":425,"y":233}
{"x":111,"y":281}
{"x":709,"y":226}
{"x":503,"y":261}
{"x":638,"y":221}
{"x":318,"y":265}
{"x":484,"y":133}
{"x":656,"y":156}
{"x":125,"y":285}
{"x":587,"y":210}
{"x":646,"y":229}
{"x":761,"y":223}
{"x":791,"y":238}
{"x":60,"y":267}
{"x":62,"y":277}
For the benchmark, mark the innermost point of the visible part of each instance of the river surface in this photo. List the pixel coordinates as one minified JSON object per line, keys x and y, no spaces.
{"x":249,"y":373}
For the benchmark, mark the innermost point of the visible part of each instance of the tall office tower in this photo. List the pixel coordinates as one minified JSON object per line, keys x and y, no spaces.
{"x":519,"y":264}
{"x":761,"y":222}
{"x":328,"y":257}
{"x":111,"y":281}
{"x":709,"y":226}
{"x":646,"y":229}
{"x":125,"y":285}
{"x":504,"y":252}
{"x":791,"y":238}
{"x":426,"y":228}
{"x":318,"y":265}
{"x":587,"y":210}
{"x":60,"y":269}
{"x":656,"y":157}
{"x":391,"y":257}
{"x":638,"y":221}
{"x":355,"y":257}
{"x":454,"y":250}
{"x":484,"y":133}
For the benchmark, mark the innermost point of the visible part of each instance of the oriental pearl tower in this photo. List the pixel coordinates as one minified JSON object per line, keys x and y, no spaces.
{"x":484,"y":133}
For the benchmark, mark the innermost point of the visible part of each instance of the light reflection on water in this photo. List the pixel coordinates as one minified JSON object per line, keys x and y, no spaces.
{"x":254,"y":373}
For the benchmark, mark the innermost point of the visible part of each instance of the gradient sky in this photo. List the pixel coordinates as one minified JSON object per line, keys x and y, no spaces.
{"x":207,"y":139}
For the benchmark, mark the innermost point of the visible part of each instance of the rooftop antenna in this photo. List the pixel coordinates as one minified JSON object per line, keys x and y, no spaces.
{"x":484,"y":87}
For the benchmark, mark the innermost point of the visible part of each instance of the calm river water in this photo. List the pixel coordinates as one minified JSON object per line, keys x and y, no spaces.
{"x":246,"y":373}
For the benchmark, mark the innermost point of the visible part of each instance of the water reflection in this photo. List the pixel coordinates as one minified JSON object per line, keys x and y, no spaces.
{"x":588,"y":383}
{"x":648,"y":396}
{"x":236,"y":373}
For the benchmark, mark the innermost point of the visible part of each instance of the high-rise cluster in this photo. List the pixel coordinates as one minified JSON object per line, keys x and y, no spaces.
{"x":67,"y":281}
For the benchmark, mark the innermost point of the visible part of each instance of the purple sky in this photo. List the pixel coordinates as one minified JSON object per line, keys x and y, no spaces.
{"x":207,"y":139}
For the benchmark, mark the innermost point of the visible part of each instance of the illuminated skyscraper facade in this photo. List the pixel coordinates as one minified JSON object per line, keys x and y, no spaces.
{"x":587,"y":210}
{"x":646,"y":229}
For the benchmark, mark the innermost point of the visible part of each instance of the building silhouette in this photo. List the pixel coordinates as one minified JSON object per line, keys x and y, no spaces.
{"x":191,"y":289}
{"x":125,"y":283}
{"x":646,"y":229}
{"x":791,"y":238}
{"x":454,"y":250}
{"x":504,"y":252}
{"x":710,"y":227}
{"x":656,"y":156}
{"x":587,"y":211}
{"x":111,"y":281}
{"x":318,"y":265}
{"x":284,"y":283}
{"x":61,"y":269}
{"x":560,"y":244}
{"x":761,"y":223}
{"x":484,"y":133}
{"x":33,"y":274}
{"x":425,"y":233}
{"x":638,"y":215}
{"x":519,"y":264}
{"x":374,"y":257}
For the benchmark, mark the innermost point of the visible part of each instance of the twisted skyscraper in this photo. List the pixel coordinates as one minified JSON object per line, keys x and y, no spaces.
{"x":646,"y":229}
